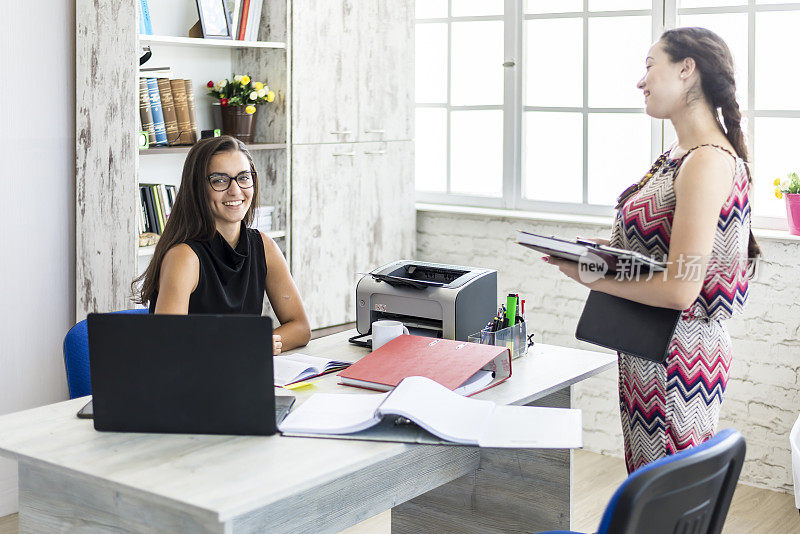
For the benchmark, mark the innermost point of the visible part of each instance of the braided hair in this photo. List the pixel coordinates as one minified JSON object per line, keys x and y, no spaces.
{"x":714,"y":62}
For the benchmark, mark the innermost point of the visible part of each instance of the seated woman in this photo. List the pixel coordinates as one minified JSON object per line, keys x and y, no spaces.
{"x":208,"y":260}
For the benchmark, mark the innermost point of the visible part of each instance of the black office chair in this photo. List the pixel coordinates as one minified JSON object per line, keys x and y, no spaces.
{"x":685,"y":493}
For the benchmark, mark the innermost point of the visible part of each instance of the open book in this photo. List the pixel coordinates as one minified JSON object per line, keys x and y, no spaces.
{"x":441,"y":412}
{"x":290,"y":368}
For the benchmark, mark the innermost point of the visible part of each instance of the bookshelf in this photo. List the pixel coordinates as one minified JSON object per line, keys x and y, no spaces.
{"x":185,"y":149}
{"x":109,"y":166}
{"x":210,"y":43}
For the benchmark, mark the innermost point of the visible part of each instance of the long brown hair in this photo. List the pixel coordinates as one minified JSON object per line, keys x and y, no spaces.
{"x":714,"y":62}
{"x":191,"y":216}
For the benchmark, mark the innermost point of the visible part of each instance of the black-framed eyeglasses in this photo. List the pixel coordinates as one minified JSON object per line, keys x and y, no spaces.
{"x":221,"y":182}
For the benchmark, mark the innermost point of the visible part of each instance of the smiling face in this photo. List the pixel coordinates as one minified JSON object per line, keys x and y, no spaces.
{"x":665,"y":83}
{"x":230,"y":206}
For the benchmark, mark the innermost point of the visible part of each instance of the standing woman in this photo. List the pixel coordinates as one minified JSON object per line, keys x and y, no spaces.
{"x":693,"y":208}
{"x":208,"y":260}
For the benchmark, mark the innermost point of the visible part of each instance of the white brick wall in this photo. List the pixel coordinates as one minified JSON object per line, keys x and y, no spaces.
{"x":763,"y":395}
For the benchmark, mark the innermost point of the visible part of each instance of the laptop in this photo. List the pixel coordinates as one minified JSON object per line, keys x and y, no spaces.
{"x":190,"y":374}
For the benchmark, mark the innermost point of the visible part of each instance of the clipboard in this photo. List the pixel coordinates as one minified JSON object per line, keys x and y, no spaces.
{"x":578,"y":249}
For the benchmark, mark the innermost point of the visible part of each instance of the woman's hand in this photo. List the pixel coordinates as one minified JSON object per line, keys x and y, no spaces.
{"x":277,"y":345}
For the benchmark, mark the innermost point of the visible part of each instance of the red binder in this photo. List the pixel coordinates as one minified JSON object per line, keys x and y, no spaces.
{"x":448,"y":362}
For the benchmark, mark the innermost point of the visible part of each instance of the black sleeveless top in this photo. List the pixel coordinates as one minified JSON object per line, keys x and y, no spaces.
{"x":231,"y":280}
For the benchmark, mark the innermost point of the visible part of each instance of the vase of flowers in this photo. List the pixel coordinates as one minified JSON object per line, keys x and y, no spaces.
{"x":790,"y":187}
{"x":239,"y":100}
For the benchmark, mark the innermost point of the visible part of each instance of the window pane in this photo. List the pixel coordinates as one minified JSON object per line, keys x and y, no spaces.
{"x":775,"y":155}
{"x":617,"y":49}
{"x":477,"y":63}
{"x":553,"y":156}
{"x":553,"y":6}
{"x":477,"y":8}
{"x":619,"y":153}
{"x":431,"y":63}
{"x":618,"y":5}
{"x":476,"y":152}
{"x":777,"y":76}
{"x":732,"y":27}
{"x":431,"y":149}
{"x":554,"y":62}
{"x":431,"y":9}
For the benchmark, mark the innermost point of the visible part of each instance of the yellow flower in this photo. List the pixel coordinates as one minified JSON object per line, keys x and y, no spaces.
{"x":245,"y":79}
{"x":777,"y":181}
{"x":259,"y":86}
{"x":250,"y":110}
{"x":270,"y":96}
{"x":778,"y":193}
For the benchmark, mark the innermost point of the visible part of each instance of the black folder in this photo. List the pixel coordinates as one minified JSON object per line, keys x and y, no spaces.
{"x":627,"y":326}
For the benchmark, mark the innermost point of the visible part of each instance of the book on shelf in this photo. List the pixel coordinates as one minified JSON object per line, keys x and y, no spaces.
{"x":149,"y":207}
{"x":145,"y":113}
{"x":156,"y":204}
{"x":243,"y":19}
{"x":168,"y":110}
{"x":184,"y":125}
{"x":155,"y":107}
{"x":193,"y":136}
{"x":145,"y":24}
{"x":439,"y":411}
{"x":254,"y":18}
{"x":161,"y":220}
{"x":292,"y":368}
{"x":176,"y":102}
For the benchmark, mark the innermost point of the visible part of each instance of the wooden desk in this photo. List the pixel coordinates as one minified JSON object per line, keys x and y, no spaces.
{"x":72,"y":478}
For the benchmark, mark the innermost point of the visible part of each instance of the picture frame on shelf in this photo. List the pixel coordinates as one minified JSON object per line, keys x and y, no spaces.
{"x":214,"y":21}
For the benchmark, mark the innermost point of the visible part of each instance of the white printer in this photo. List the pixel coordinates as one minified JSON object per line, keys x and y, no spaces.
{"x":431,"y":299}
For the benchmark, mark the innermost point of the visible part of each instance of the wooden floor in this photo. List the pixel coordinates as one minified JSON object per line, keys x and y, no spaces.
{"x":753,"y":511}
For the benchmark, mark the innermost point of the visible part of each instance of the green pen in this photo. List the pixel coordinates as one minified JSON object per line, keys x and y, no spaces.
{"x":511,"y":309}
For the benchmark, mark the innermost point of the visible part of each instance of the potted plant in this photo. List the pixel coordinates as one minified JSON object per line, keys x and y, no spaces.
{"x":239,"y":100}
{"x":791,"y":188}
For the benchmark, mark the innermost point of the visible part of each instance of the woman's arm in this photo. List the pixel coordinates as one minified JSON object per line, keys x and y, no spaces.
{"x":284,"y":298}
{"x":180,"y":272}
{"x":701,"y":188}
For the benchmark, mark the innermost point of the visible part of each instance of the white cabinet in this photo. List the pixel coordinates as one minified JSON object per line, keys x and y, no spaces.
{"x":324,"y":226}
{"x":324,"y":71}
{"x":352,"y":154}
{"x":386,"y":70}
{"x":352,"y":70}
{"x":352,"y":210}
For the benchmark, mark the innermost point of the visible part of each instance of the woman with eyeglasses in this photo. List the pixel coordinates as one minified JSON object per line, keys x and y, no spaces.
{"x":208,"y":260}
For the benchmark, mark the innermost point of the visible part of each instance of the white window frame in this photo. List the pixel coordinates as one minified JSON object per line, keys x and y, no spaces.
{"x":664,"y":15}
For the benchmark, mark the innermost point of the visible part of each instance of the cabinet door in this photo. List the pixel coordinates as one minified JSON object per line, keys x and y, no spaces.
{"x":385,"y":69}
{"x":324,"y":71}
{"x":325,"y":231}
{"x":386,"y":201}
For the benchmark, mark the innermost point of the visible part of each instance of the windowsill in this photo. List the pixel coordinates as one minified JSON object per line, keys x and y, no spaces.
{"x":516,"y":214}
{"x":759,"y":233}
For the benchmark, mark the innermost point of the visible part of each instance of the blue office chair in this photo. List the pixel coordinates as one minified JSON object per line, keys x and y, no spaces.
{"x":688,"y":492}
{"x":76,"y":358}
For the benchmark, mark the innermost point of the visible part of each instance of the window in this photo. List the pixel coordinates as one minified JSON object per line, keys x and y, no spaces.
{"x":532,"y":104}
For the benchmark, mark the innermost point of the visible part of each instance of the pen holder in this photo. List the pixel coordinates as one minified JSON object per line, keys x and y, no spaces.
{"x":514,"y":337}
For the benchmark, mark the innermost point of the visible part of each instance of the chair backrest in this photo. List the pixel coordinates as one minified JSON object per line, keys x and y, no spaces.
{"x":687,"y":493}
{"x":76,"y":358}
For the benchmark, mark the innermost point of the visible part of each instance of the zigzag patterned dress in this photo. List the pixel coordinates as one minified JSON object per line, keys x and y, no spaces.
{"x":667,"y":407}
